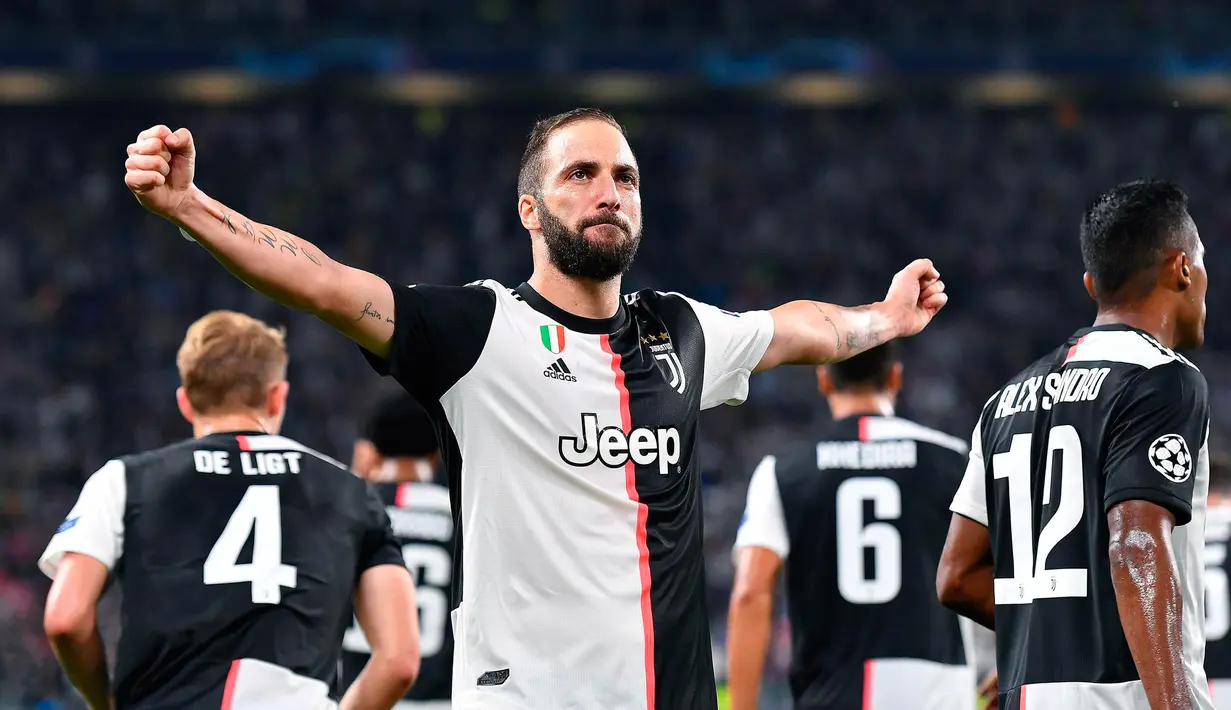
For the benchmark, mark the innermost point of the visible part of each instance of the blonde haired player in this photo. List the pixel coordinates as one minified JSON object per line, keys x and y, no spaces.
{"x":238,"y":553}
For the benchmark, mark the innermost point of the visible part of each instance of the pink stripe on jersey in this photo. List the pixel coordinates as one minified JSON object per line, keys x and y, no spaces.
{"x":228,"y":693}
{"x":243,"y":442}
{"x":1069,"y":355}
{"x":403,"y":495}
{"x":869,"y":666}
{"x":630,"y":484}
{"x":863,"y":428}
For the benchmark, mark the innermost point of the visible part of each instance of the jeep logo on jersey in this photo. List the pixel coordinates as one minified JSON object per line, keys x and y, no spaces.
{"x":614,"y":448}
{"x":1169,"y":456}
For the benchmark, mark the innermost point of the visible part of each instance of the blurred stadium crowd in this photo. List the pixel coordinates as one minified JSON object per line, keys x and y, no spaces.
{"x":746,"y":206}
{"x":479,"y":23}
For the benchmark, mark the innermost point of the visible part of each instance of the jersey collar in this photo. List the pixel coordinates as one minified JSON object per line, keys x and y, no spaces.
{"x":1109,"y":327}
{"x":579,"y":324}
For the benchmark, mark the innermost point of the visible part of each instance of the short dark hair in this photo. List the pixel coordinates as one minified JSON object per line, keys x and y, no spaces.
{"x":530,"y":176}
{"x":399,"y":427}
{"x":1125,"y":232}
{"x":869,"y":369}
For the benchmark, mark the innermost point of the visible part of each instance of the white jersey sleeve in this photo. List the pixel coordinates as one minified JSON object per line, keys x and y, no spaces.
{"x":971,"y":498}
{"x":95,"y":525}
{"x":734,"y":344}
{"x":764,"y":524}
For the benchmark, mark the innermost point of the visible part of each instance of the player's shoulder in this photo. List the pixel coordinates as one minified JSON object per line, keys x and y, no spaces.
{"x":163,"y":456}
{"x":902,"y":429}
{"x":477,"y":297}
{"x":311,"y":459}
{"x":415,"y":495}
{"x":649,"y":299}
{"x":1126,"y":346}
{"x":654,"y":299}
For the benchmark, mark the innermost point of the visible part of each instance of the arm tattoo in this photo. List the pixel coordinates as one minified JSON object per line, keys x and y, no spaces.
{"x":267,"y":238}
{"x":289,"y":246}
{"x":226,"y":219}
{"x":369,"y":312}
{"x":867,"y":336}
{"x":837,"y":337}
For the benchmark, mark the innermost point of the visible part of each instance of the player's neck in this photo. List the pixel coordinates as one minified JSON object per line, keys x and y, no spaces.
{"x":581,"y":297}
{"x":1143,"y":318}
{"x":853,"y":404}
{"x":224,"y":423}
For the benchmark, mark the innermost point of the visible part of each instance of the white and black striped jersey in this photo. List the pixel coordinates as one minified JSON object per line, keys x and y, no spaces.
{"x":1218,"y":603}
{"x":570,"y":449}
{"x":423,"y":525}
{"x":1110,"y":416}
{"x":859,"y":519}
{"x":237,"y":555}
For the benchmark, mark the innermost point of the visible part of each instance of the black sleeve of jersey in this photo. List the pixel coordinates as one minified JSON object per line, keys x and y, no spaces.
{"x":438,"y":334}
{"x":379,"y":546}
{"x":1157,"y":433}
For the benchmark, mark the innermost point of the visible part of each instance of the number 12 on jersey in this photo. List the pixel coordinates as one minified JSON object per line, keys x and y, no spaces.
{"x":1031,"y":577}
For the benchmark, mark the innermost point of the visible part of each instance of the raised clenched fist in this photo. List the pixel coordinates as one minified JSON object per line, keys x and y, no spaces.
{"x":159,"y":169}
{"x":915,"y":296}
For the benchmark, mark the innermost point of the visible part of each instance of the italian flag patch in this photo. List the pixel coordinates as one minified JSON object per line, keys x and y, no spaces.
{"x":553,"y":337}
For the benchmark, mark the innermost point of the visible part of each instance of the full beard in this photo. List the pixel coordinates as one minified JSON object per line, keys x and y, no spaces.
{"x":575,"y":255}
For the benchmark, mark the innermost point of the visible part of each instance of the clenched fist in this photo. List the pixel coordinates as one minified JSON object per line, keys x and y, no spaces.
{"x":160,"y":167}
{"x":915,"y":296}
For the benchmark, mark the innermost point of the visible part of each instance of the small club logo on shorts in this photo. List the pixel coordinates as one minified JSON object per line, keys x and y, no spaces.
{"x":494,"y":677}
{"x":1169,"y":456}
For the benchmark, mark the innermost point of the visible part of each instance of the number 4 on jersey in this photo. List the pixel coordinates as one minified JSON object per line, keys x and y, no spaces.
{"x":1031,"y":577}
{"x":258,"y":514}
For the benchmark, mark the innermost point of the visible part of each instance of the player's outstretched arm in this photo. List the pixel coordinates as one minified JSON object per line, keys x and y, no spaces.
{"x":965,"y":578}
{"x":1147,"y":585}
{"x":385,"y":607}
{"x":286,"y":268}
{"x":70,"y":620}
{"x":750,"y":624}
{"x":814,"y":333}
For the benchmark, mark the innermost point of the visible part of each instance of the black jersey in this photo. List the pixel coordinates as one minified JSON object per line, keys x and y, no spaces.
{"x":570,"y":445}
{"x":237,"y":555}
{"x":1218,"y":603}
{"x":1110,"y":416}
{"x":423,"y":526}
{"x":859,"y":518}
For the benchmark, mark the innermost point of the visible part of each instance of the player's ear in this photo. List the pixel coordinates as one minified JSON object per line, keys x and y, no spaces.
{"x":893,"y":383}
{"x":1182,"y":266}
{"x":527,"y":210}
{"x":275,"y":402}
{"x":1088,"y":280}
{"x":185,"y":406}
{"x":364,"y":458}
{"x":823,"y":382}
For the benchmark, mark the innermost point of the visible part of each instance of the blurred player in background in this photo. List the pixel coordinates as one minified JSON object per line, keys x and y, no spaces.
{"x":858,"y":520}
{"x":1078,"y":527}
{"x":1217,"y":590}
{"x":567,"y":413}
{"x":398,"y":450}
{"x":237,"y":553}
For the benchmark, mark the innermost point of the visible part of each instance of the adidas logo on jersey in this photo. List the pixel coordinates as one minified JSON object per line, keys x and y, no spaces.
{"x":559,"y":371}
